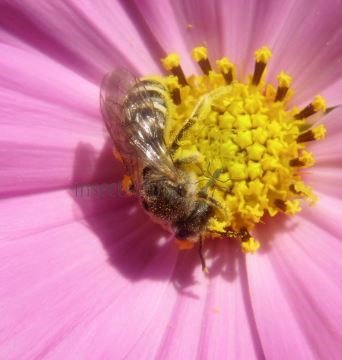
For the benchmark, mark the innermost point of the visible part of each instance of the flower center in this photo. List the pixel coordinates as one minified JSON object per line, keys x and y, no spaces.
{"x":242,"y":145}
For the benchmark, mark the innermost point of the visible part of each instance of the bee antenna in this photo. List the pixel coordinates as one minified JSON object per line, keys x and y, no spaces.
{"x":200,"y":251}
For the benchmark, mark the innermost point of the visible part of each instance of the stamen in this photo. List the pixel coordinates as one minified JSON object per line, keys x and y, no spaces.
{"x":284,"y":82}
{"x":280,"y":204}
{"x":176,"y":97}
{"x":317,"y":133}
{"x":296,"y":163}
{"x":200,"y":55}
{"x":172,"y":63}
{"x":172,"y":82}
{"x":227,"y":69}
{"x":294,"y":190}
{"x":261,"y":58}
{"x":317,"y":104}
{"x":305,"y":160}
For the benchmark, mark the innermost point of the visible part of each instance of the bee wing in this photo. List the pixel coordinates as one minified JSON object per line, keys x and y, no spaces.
{"x":135,"y":124}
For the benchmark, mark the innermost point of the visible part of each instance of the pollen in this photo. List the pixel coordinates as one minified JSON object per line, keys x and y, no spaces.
{"x":241,"y":141}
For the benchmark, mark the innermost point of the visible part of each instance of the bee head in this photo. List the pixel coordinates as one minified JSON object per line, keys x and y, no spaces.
{"x":190,"y":227}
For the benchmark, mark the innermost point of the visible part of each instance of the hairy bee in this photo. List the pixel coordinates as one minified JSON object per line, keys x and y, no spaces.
{"x":135,"y":114}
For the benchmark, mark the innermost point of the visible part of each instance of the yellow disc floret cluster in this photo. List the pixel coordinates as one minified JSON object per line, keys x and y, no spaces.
{"x":242,"y":144}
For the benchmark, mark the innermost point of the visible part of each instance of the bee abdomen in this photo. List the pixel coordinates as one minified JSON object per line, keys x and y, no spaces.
{"x":148,"y":97}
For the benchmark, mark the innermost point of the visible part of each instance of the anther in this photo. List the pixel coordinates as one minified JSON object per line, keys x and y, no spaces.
{"x":172,"y":63}
{"x":296,"y":163}
{"x":280,"y":204}
{"x":226,"y":68}
{"x":176,"y":97}
{"x":284,"y":82}
{"x":261,"y":58}
{"x":317,"y":104}
{"x":173,"y":85}
{"x":317,"y":133}
{"x":294,"y":190}
{"x":200,"y":55}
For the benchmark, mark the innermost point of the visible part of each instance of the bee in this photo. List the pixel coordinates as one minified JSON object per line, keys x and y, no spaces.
{"x":136,"y":113}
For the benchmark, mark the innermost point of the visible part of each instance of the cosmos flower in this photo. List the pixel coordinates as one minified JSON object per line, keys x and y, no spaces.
{"x":84,"y":272}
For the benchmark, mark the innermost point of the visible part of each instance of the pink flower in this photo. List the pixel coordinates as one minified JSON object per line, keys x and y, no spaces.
{"x":84,"y":273}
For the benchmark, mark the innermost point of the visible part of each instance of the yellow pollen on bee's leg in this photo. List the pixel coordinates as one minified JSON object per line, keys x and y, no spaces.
{"x":184,"y":245}
{"x":117,"y":155}
{"x":127,"y":184}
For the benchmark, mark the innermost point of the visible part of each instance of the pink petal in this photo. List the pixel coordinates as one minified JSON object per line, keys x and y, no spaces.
{"x":226,"y":28}
{"x":327,"y":213}
{"x":332,"y":93}
{"x":106,"y":34}
{"x":309,"y":46}
{"x":326,"y":175}
{"x":301,"y":266}
{"x":174,"y":36}
{"x":295,"y":288}
{"x":49,"y":116}
{"x":312,"y":58}
{"x":44,"y":259}
{"x":326,"y":180}
{"x":305,"y":38}
{"x":208,"y":317}
{"x":328,"y":150}
{"x":90,"y":276}
{"x":84,"y":243}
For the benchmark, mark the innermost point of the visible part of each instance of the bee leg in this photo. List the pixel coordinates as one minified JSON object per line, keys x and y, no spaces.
{"x":198,"y":111}
{"x":243,"y":234}
{"x":203,"y":194}
{"x":200,"y":251}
